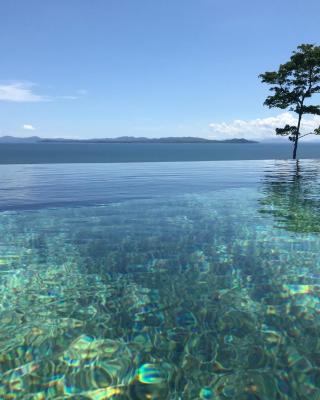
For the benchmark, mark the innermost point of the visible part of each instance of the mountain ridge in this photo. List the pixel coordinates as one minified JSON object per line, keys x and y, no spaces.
{"x":122,"y":139}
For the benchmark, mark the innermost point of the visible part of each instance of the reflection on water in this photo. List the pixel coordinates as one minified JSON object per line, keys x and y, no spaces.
{"x":196,"y":296}
{"x":292,"y":196}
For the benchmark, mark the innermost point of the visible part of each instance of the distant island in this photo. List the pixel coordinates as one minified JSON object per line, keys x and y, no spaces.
{"x":122,"y":139}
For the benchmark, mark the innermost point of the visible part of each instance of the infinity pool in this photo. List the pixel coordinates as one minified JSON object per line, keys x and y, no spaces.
{"x":160,"y":281}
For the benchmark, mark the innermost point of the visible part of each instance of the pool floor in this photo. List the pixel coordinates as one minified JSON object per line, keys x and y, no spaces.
{"x":211,"y":293}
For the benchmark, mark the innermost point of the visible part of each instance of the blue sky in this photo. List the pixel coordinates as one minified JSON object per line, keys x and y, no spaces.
{"x":107,"y":68}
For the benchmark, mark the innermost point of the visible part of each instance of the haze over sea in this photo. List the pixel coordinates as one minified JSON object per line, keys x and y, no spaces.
{"x":47,"y":153}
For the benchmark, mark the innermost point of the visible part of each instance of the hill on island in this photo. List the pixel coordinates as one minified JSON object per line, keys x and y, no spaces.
{"x":122,"y":139}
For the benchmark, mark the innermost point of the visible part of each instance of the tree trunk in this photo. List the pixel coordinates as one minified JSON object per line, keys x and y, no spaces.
{"x":295,"y":147}
{"x":294,"y":155}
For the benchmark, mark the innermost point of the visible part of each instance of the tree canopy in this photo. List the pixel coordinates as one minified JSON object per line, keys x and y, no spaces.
{"x":293,"y":85}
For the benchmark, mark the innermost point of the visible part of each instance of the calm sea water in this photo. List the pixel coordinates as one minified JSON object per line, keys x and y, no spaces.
{"x":160,"y":281}
{"x":142,"y":152}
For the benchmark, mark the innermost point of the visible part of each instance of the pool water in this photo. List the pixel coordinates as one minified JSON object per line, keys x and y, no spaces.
{"x":163,"y":281}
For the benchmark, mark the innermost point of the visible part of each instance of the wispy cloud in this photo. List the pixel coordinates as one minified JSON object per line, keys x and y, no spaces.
{"x":260,"y":128}
{"x":24,"y":92}
{"x":67,"y":97}
{"x":28,"y":127}
{"x":81,"y":92}
{"x":78,"y":94}
{"x":20,"y":92}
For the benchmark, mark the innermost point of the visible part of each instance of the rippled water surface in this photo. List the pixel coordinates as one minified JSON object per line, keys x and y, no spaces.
{"x":160,"y":281}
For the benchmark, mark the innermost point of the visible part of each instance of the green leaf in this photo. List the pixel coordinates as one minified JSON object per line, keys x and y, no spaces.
{"x":292,"y":84}
{"x":287,"y":130}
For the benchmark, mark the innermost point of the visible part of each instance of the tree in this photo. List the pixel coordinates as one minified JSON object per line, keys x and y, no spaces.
{"x":293,"y":85}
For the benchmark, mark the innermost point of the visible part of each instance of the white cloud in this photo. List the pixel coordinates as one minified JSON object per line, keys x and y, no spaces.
{"x":28,"y":127}
{"x":260,"y":128}
{"x":20,"y":92}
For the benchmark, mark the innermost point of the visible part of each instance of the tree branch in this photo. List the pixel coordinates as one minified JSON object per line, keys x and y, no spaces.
{"x":306,"y":134}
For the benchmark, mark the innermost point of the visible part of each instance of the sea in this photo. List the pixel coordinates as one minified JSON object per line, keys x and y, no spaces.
{"x":39,"y":153}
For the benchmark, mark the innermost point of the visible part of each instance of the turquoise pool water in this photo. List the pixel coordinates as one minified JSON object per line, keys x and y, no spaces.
{"x":163,"y":281}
